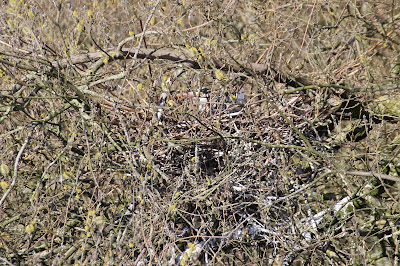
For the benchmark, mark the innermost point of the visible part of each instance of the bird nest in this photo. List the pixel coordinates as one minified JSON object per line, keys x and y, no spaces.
{"x":225,"y":171}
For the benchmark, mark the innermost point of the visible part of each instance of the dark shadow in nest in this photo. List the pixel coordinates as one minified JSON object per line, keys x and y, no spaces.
{"x":211,"y":160}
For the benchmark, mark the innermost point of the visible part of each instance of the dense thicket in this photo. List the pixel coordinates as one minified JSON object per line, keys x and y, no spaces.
{"x":194,"y":132}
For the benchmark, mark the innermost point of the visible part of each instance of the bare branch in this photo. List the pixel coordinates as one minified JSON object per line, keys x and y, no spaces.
{"x":17,"y":159}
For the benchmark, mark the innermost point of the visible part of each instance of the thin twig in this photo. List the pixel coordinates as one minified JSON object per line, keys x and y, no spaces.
{"x":383,"y":176}
{"x":17,"y":159}
{"x":142,"y":36}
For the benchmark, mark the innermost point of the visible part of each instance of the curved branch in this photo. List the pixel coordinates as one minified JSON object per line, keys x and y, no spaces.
{"x":177,"y":56}
{"x":14,"y":179}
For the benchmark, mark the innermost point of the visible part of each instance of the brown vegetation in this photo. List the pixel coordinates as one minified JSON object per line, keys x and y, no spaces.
{"x":199,"y":132}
